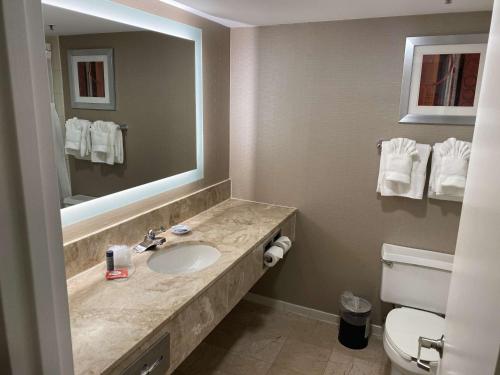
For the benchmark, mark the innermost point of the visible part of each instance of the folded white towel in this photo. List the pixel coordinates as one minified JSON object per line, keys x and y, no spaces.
{"x":453,"y":173}
{"x":107,"y":143}
{"x":414,"y":189}
{"x":119,"y":146}
{"x":399,"y":161}
{"x":77,"y":141}
{"x":73,"y":137}
{"x":450,"y":163}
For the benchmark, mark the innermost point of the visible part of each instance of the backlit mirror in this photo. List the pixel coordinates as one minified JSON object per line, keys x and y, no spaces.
{"x":126,"y":104}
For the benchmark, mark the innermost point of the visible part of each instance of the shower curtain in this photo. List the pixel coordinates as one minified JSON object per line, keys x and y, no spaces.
{"x":57,"y":133}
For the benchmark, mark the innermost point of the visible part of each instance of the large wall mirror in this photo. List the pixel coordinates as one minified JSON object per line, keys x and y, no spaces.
{"x":126,"y":104}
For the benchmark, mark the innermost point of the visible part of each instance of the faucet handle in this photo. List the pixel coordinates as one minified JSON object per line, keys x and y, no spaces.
{"x":152,"y":233}
{"x":424,"y":342}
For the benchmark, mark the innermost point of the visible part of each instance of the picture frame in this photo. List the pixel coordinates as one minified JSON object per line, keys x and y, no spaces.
{"x":442,"y":79}
{"x":91,"y":78}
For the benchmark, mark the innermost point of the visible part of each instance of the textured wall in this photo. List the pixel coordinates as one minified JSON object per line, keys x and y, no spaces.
{"x":308,"y":104}
{"x":155,"y":97}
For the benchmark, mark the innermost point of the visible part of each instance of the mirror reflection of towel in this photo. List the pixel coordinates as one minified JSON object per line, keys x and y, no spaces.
{"x":107,"y":143}
{"x":77,"y":142}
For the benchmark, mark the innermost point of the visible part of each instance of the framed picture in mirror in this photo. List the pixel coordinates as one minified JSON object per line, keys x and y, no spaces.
{"x":91,"y":78}
{"x":442,"y":79}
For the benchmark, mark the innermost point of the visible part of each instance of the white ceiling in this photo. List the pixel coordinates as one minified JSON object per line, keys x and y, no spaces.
{"x":67,"y":22}
{"x":234,"y":13}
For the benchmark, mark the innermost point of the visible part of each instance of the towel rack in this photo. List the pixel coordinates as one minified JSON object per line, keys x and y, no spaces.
{"x":379,"y":145}
{"x":123,"y":127}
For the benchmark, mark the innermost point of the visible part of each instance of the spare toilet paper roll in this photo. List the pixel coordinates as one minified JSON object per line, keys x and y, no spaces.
{"x":122,"y":256}
{"x":273,"y":255}
{"x":283,"y":242}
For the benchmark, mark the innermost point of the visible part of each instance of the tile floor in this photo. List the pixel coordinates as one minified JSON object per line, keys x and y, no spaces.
{"x":257,"y":340}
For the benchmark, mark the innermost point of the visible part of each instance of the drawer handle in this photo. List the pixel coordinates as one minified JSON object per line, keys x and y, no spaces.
{"x":150,"y":369}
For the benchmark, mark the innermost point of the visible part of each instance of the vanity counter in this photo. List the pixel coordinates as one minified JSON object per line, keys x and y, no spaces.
{"x":113,"y":322}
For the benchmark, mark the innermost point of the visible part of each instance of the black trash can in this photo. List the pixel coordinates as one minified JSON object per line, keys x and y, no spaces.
{"x":354,"y":329}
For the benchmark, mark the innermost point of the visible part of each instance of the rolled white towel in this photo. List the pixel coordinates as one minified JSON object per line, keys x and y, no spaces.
{"x":454,"y":164}
{"x":453,"y":172}
{"x":399,"y":161}
{"x":415,"y":189}
{"x":450,"y":164}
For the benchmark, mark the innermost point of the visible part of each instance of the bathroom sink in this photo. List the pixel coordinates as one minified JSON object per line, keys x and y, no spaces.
{"x":183,"y":258}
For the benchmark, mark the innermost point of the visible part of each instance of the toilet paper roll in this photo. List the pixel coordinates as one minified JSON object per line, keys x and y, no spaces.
{"x":283,"y":242}
{"x":122,"y":256}
{"x":273,"y":255}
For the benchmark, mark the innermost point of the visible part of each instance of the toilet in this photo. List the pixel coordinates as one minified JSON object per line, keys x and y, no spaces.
{"x":417,"y":282}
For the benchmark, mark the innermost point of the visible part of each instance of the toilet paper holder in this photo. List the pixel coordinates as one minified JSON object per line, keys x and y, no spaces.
{"x":272,"y":239}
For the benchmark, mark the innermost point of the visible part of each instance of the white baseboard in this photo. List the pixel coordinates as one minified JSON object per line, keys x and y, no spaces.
{"x":303,"y":311}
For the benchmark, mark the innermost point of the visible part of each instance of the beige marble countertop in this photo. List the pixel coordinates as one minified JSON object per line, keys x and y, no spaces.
{"x":110,"y":319}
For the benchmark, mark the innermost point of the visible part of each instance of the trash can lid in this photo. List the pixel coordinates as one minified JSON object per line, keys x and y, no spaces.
{"x":355,"y":304}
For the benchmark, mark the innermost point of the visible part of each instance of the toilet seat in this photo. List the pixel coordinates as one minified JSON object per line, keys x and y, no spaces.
{"x":404,"y":326}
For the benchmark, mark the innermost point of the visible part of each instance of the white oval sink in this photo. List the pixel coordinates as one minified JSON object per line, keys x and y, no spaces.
{"x":183,"y":258}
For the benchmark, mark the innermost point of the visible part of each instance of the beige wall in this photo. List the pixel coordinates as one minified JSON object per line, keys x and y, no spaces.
{"x":308,"y":104}
{"x":215,"y":114}
{"x":155,"y":97}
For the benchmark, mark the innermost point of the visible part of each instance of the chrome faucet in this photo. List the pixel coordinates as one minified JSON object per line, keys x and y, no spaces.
{"x":151,"y":240}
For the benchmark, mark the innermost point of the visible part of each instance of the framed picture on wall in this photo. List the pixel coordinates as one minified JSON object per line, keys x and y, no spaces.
{"x":442,"y":78}
{"x":91,"y":78}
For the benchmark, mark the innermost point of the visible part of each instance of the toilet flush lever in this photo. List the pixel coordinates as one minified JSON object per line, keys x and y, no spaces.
{"x":424,"y":342}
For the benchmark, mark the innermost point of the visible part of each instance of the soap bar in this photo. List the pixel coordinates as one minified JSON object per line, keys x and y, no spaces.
{"x":119,"y":273}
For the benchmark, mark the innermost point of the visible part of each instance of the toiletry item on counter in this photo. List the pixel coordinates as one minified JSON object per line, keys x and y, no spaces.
{"x":180,"y":229}
{"x":122,"y":256}
{"x":450,"y":164}
{"x":118,"y":262}
{"x":277,"y":251}
{"x":119,"y":273}
{"x":392,"y":171}
{"x":110,"y":265}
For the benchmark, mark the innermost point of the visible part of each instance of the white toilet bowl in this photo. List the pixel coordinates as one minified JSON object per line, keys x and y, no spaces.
{"x":403,"y":327}
{"x":419,"y":279}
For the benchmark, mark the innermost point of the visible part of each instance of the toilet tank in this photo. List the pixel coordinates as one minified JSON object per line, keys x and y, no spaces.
{"x":415,"y":278}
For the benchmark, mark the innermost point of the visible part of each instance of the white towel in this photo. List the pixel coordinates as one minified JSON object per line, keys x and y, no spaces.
{"x":118,"y":146}
{"x":107,"y":143}
{"x":450,"y":163}
{"x":415,"y":189}
{"x":399,"y":161}
{"x":77,"y":141}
